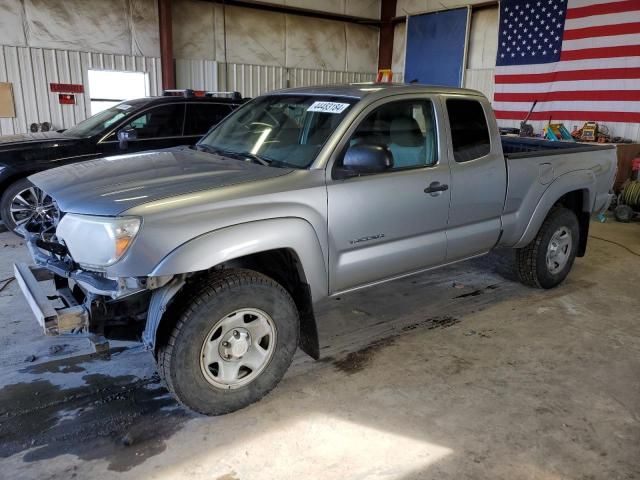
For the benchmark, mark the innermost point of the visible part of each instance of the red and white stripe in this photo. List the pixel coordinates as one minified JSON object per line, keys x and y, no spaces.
{"x":597,"y":77}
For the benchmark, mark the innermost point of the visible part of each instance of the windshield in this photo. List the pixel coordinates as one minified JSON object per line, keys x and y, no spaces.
{"x":100,"y":121}
{"x":282,"y":130}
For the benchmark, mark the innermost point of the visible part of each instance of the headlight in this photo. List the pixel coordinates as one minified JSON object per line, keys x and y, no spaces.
{"x":97,"y":241}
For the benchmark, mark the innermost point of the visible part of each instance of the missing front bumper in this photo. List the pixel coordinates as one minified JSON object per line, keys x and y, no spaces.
{"x":71,"y":318}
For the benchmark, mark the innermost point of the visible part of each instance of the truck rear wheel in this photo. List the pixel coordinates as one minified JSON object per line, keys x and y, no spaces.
{"x":547,"y":260}
{"x":233,"y":342}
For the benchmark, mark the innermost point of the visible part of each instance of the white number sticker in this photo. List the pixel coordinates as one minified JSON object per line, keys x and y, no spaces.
{"x":328,"y":107}
{"x":123,"y":106}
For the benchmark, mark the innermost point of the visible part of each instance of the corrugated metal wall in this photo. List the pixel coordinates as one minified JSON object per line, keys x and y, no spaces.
{"x":254,"y":80}
{"x":31,"y":70}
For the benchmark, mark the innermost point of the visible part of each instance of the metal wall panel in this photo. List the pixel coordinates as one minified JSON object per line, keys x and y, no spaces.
{"x":254,"y":80}
{"x":31,"y":70}
{"x":251,"y":80}
{"x":302,"y":77}
{"x":480,"y":79}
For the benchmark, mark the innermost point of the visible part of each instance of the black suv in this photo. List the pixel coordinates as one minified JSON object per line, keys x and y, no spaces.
{"x":179,"y":117}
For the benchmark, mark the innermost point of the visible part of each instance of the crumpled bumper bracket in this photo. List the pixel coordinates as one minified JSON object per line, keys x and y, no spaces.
{"x":72,"y":318}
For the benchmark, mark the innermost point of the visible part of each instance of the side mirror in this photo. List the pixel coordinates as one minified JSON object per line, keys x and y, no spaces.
{"x":365,"y":159}
{"x":125,"y":136}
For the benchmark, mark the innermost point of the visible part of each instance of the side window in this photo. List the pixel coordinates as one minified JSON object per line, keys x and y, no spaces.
{"x":162,"y":121}
{"x":407,"y":128}
{"x":469,"y":131}
{"x":202,"y":116}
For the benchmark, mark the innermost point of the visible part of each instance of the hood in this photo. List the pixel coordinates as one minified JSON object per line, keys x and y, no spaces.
{"x":35,"y":139}
{"x":111,"y":185}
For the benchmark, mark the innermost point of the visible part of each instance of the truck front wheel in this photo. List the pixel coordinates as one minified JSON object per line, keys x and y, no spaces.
{"x":233,"y":342}
{"x":547,"y":260}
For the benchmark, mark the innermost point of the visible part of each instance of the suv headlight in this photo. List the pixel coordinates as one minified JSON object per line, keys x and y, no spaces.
{"x":97,"y":241}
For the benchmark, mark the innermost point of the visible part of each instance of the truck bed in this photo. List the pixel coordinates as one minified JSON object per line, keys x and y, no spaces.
{"x":517,"y":147}
{"x":535,"y":165}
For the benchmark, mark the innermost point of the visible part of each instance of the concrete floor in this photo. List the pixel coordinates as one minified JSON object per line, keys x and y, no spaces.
{"x":460,"y":373}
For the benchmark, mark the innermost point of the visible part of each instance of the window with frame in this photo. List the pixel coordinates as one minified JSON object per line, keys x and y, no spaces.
{"x":159,"y":122}
{"x":469,"y":131}
{"x":202,"y":116}
{"x":407,"y":128}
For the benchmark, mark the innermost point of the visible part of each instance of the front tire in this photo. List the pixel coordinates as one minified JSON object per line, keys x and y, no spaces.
{"x":233,"y":342}
{"x":25,"y":205}
{"x":548,"y":259}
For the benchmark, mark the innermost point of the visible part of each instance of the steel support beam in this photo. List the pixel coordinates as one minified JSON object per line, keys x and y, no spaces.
{"x":304,"y":12}
{"x":385,"y":46}
{"x":166,"y":44}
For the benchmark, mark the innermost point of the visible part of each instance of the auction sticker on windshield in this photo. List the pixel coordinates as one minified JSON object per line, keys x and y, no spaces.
{"x":328,"y":107}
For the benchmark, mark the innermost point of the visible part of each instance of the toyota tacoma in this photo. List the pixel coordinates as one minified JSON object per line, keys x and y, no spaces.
{"x":217,"y":253}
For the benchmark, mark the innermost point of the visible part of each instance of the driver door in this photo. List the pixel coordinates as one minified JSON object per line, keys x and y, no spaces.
{"x":386,"y":225}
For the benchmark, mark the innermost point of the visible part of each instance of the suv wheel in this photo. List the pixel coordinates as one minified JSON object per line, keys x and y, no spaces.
{"x":547,"y":260}
{"x":25,"y":205}
{"x":233,"y":342}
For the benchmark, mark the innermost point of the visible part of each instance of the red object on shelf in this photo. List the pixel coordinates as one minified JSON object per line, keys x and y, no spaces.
{"x":67,"y":99}
{"x":635,"y":164}
{"x":66,"y":87}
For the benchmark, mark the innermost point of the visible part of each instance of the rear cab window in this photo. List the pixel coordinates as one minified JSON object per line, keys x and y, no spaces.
{"x":470,"y":137}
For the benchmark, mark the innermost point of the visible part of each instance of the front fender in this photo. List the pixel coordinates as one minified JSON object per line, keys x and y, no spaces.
{"x":229,"y":243}
{"x":583,"y":180}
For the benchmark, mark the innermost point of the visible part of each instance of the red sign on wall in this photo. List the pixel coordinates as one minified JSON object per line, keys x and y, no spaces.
{"x":66,"y":99}
{"x":66,"y":87}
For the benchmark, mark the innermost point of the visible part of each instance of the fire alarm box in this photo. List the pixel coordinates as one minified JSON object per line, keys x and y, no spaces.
{"x":67,"y":99}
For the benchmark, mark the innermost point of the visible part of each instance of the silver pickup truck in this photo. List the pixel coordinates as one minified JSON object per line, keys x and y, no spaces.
{"x":217,"y":253}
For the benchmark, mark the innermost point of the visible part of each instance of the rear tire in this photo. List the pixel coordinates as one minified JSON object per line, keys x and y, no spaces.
{"x":548,"y":259}
{"x":233,"y":342}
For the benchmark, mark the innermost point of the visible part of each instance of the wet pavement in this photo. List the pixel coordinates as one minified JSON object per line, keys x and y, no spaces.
{"x":456,"y":373}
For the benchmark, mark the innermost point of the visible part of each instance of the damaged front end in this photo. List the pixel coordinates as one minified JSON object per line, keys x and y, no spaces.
{"x":67,"y":299}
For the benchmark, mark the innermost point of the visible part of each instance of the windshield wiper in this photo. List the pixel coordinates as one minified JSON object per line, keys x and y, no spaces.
{"x":202,"y":147}
{"x":255,"y":158}
{"x":229,"y":153}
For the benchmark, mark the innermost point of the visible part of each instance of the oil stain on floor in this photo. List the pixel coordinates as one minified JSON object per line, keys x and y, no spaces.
{"x":124,"y":420}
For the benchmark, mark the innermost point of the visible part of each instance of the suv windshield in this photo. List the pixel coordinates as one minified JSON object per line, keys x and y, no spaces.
{"x":283,"y":130}
{"x":101,"y":121}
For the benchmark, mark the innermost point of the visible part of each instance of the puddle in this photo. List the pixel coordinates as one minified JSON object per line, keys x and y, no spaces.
{"x":357,"y":361}
{"x":68,"y":365}
{"x":124,"y":420}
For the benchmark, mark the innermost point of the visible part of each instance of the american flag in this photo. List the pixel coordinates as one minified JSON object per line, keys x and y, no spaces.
{"x":580,"y":59}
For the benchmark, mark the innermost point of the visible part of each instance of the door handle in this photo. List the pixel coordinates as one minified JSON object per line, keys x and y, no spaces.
{"x":435,"y":188}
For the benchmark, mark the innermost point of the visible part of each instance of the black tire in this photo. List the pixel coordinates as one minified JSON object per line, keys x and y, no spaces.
{"x":179,"y":357}
{"x":7,"y":199}
{"x":623,"y":213}
{"x":531,"y":261}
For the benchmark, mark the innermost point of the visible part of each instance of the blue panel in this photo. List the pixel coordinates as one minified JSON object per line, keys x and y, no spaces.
{"x":435,"y":47}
